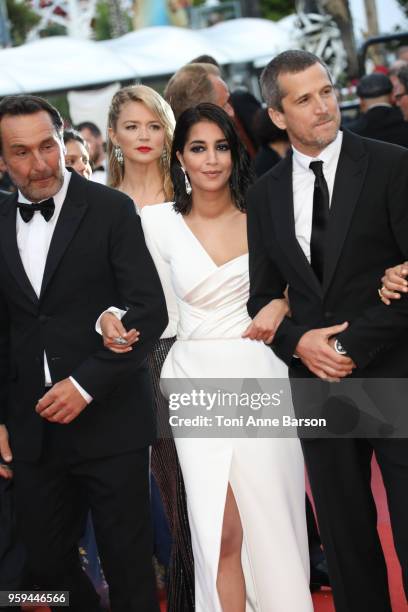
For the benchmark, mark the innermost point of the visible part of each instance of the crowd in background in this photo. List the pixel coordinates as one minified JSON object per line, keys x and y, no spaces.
{"x":109,"y":159}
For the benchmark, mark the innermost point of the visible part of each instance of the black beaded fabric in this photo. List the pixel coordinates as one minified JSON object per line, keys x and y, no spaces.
{"x":167,"y":473}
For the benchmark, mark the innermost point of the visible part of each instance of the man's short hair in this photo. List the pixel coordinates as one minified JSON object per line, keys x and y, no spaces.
{"x":190,"y":86}
{"x":374,"y":85}
{"x":71,"y":134}
{"x":205,"y":59}
{"x":88,"y":125}
{"x":29,"y":105}
{"x":402,"y":75}
{"x":292,"y":62}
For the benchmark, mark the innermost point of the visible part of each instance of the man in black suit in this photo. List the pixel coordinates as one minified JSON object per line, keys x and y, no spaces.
{"x":79,"y":417}
{"x":326,"y":222}
{"x":379,"y":119}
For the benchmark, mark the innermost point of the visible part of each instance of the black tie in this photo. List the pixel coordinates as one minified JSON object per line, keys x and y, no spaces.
{"x":27,"y":211}
{"x":321,"y":202}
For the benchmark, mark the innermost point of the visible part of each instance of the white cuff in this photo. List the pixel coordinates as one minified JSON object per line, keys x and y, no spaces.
{"x":116,"y":311}
{"x":88,"y":398}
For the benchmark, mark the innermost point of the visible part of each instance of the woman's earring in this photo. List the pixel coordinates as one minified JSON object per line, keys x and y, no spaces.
{"x":164,"y":156}
{"x":117,"y":151}
{"x":186,"y":182}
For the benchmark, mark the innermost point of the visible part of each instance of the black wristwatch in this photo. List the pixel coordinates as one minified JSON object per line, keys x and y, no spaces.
{"x":338,"y":347}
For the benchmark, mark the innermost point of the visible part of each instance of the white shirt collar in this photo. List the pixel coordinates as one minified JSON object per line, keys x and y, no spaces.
{"x":59,"y":196}
{"x":329,"y":155}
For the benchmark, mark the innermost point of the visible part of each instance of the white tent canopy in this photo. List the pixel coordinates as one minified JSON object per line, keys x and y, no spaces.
{"x":58,"y":62}
{"x":162,"y":49}
{"x":246,"y":39}
{"x":61,"y":62}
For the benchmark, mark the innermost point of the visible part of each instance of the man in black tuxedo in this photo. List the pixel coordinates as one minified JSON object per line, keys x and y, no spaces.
{"x":326,"y":222}
{"x":78,"y":417}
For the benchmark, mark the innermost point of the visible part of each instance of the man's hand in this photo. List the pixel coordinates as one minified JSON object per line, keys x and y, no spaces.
{"x":394,"y":283}
{"x":266,"y":322}
{"x":62,"y":403}
{"x":320,"y":358}
{"x":113,"y":329}
{"x":5,"y":452}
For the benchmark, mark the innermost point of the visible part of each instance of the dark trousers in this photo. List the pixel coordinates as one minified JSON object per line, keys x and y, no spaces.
{"x":53,"y":497}
{"x":340,"y":476}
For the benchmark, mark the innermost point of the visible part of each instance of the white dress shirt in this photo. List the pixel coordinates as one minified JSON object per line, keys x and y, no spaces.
{"x":303,"y":187}
{"x":33,"y":241}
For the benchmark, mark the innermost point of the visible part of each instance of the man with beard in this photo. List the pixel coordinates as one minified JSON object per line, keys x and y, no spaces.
{"x":76,"y":419}
{"x":326,"y":222}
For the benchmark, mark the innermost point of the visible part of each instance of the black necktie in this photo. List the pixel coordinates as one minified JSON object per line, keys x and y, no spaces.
{"x":321,"y":204}
{"x":27,"y":211}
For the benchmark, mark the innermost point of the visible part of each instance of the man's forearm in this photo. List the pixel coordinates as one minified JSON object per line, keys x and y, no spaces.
{"x":104,"y":370}
{"x":376,"y":330}
{"x":286,"y":339}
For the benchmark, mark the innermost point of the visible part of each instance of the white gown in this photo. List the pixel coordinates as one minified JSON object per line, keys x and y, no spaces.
{"x":266,"y":474}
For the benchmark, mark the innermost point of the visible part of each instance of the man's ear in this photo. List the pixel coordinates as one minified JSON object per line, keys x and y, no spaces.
{"x":277,"y":118}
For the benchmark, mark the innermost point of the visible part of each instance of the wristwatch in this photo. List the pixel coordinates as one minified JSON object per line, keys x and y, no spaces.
{"x":338,"y":347}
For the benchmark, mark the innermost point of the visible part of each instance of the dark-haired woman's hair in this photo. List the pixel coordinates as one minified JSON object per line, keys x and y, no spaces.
{"x":241,"y":175}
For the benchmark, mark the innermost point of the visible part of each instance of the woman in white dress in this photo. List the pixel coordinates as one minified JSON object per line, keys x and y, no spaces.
{"x":246,"y":497}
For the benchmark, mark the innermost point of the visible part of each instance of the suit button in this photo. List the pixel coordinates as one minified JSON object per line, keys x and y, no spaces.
{"x":328,"y":314}
{"x":43,"y":318}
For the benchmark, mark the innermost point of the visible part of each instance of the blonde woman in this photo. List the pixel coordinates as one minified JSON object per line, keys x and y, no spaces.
{"x":140,"y":132}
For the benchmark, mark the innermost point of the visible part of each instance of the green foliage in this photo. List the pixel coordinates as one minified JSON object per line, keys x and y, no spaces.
{"x":101,"y":23}
{"x":22,"y":19}
{"x":272,"y":9}
{"x":60,"y":102}
{"x":53,"y":29}
{"x":276,"y":9}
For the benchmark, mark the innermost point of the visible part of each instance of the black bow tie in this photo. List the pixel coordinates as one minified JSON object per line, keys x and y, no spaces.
{"x":46,"y":208}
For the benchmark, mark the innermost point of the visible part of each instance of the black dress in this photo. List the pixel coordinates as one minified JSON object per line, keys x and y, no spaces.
{"x":167,"y":473}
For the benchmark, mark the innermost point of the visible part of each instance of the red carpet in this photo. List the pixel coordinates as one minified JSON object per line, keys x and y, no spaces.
{"x":323,"y":600}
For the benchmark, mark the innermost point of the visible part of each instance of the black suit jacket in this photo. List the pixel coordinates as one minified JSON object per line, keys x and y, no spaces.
{"x":97,"y":258}
{"x":384,"y":123}
{"x":368,"y":232}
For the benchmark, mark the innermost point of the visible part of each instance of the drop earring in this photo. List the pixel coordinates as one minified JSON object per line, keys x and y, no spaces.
{"x":186,"y":182}
{"x":117,"y":151}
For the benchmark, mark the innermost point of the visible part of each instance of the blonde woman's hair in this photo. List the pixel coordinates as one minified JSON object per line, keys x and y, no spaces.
{"x":162,"y":110}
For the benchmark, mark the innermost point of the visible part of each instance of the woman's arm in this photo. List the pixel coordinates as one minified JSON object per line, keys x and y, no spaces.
{"x":264,"y":325}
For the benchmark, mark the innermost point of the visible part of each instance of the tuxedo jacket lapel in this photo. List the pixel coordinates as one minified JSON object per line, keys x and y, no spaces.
{"x":73,"y":209}
{"x":281,"y":198}
{"x":350,"y":174}
{"x":8,"y":240}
